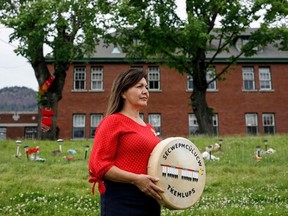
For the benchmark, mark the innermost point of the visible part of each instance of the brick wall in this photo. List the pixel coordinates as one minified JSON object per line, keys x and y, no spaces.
{"x":229,"y":101}
{"x":15,"y":123}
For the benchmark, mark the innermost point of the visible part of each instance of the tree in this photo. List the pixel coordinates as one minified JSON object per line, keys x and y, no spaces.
{"x":158,"y":34}
{"x":70,"y":28}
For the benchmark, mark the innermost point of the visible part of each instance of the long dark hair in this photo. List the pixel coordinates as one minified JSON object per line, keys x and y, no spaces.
{"x":122,"y":83}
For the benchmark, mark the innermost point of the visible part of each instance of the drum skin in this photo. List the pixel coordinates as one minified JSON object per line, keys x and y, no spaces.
{"x":179,"y":165}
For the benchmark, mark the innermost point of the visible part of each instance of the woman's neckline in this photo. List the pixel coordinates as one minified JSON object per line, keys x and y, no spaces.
{"x":133,"y":119}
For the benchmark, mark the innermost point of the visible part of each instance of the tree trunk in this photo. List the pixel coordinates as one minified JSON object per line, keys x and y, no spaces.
{"x":52,"y":96}
{"x":202,"y":112}
{"x":52,"y":133}
{"x":56,"y":95}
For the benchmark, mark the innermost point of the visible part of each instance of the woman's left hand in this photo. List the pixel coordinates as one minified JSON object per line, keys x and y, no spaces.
{"x":146,"y":184}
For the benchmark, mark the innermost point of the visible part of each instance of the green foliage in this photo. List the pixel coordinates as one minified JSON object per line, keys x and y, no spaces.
{"x":181,"y":43}
{"x":237,"y":184}
{"x":69,"y":28}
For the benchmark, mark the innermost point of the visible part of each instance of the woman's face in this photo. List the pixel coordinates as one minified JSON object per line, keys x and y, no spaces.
{"x":137,"y":96}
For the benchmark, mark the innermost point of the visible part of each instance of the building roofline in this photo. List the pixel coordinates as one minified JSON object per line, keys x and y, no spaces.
{"x":217,"y":60}
{"x":19,"y":112}
{"x":18,"y":125}
{"x":254,"y":60}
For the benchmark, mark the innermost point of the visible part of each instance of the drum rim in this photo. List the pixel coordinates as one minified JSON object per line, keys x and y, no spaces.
{"x":160,"y":147}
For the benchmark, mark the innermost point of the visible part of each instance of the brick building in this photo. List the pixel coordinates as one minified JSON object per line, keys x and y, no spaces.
{"x":18,"y":125}
{"x":252,"y":100}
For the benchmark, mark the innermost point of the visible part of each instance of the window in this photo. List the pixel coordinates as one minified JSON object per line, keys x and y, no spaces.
{"x":136,"y":42}
{"x":3,"y":133}
{"x":194,"y":127}
{"x":265,"y":78}
{"x":241,"y":41}
{"x":78,"y":126}
{"x":251,"y":123}
{"x":95,"y":120}
{"x":215,"y":124}
{"x":79,"y":78}
{"x":189,"y":83}
{"x":193,"y":124}
{"x":248,"y":78}
{"x":268,"y":123}
{"x":154,"y":78}
{"x":116,"y":50}
{"x":210,"y":75}
{"x":155,"y":121}
{"x":97,"y":78}
{"x":30,"y":132}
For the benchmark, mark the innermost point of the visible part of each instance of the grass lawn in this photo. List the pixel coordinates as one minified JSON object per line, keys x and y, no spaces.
{"x":237,"y":184}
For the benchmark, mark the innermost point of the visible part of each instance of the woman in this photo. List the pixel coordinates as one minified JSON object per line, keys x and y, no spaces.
{"x":122,"y":146}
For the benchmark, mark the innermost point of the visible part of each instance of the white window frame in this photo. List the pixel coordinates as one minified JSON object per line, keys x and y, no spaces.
{"x":251,"y":122}
{"x":79,"y":79}
{"x":193,"y":124}
{"x":30,"y":133}
{"x":189,"y":83}
{"x":268,"y":121}
{"x":248,"y":78}
{"x":210,"y":75}
{"x":155,"y":121}
{"x":95,"y":120}
{"x":3,"y":133}
{"x":215,"y":123}
{"x":265,"y":79}
{"x":154,"y":78}
{"x":97,"y":78}
{"x":241,"y":41}
{"x":78,"y":126}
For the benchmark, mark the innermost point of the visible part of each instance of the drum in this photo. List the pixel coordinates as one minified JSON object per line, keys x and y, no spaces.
{"x":179,"y":165}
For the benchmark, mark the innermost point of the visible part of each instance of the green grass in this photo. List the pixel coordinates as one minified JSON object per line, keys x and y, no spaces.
{"x":237,"y":184}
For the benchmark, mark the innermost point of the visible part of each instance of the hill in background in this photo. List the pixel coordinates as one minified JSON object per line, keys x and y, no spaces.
{"x":18,"y":99}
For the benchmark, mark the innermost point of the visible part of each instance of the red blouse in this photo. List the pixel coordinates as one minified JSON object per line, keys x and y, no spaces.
{"x":121,"y":142}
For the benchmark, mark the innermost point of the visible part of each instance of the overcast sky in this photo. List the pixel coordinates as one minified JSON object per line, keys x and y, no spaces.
{"x":14,"y":70}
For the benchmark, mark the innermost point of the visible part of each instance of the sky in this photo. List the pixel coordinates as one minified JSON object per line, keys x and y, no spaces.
{"x":14,"y":70}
